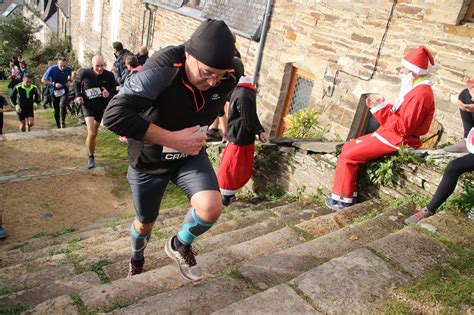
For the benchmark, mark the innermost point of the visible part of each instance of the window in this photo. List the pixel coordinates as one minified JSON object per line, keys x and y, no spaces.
{"x":298,"y":97}
{"x":83,"y":10}
{"x":469,"y":16}
{"x":97,"y":15}
{"x":114,"y":20}
{"x":193,"y":3}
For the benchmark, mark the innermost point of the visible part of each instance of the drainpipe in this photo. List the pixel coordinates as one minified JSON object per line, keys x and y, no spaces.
{"x":148,"y":31}
{"x":263,"y":35}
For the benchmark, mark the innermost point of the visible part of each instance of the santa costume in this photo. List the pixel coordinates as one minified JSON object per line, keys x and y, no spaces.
{"x":236,"y":165}
{"x":401,"y":124}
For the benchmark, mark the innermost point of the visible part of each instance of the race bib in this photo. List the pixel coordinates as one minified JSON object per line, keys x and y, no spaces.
{"x":93,"y":93}
{"x":169,"y":154}
{"x":59,"y":92}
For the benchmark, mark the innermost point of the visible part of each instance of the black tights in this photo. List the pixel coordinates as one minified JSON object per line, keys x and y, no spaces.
{"x":467,"y":121}
{"x":60,"y":104}
{"x":450,"y":178}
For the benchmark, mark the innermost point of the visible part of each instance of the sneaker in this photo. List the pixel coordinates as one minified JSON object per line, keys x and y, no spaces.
{"x":459,"y":147}
{"x":471,"y":214}
{"x":63,"y":125}
{"x":336,"y":205}
{"x":227,"y":200}
{"x":135,"y":267}
{"x":90,"y":162}
{"x":417,"y":217}
{"x":3,"y":233}
{"x":186,"y":261}
{"x":123,"y":139}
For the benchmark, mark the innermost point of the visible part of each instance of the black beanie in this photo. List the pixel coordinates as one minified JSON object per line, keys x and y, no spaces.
{"x":213,"y":44}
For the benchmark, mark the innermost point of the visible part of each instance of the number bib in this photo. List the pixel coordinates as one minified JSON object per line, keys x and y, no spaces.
{"x":59,"y":92}
{"x":93,"y":93}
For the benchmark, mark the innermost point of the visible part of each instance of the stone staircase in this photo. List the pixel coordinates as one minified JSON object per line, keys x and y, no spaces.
{"x":276,"y":257}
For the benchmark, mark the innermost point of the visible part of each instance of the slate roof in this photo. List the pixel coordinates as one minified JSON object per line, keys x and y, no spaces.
{"x":244,"y":16}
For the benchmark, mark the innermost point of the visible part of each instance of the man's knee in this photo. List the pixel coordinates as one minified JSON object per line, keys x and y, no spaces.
{"x":143,"y":228}
{"x":208,"y":206}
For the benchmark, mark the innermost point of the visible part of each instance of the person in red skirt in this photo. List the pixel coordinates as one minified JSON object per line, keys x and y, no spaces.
{"x":242,"y":126}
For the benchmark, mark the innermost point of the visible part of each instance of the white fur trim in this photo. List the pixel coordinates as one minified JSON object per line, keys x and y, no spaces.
{"x":245,"y":80}
{"x":339,"y":198}
{"x":378,"y":107}
{"x":384,"y":141}
{"x":228,"y":192}
{"x":413,"y":67}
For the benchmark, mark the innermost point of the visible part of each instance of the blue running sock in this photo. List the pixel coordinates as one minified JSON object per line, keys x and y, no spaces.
{"x":192,"y":227}
{"x":139,"y":243}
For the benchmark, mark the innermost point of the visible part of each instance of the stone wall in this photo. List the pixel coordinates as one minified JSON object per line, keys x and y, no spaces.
{"x":336,"y":41}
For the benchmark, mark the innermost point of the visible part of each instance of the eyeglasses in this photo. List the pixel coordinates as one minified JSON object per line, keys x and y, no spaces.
{"x":206,"y":75}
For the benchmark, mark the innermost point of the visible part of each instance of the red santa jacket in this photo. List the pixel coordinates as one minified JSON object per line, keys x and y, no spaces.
{"x":406,"y":123}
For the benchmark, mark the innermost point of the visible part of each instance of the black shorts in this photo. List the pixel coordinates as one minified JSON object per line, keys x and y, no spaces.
{"x":25,"y":113}
{"x":193,"y":176}
{"x":94,"y":110}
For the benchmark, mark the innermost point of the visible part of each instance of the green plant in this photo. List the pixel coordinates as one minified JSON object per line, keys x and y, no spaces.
{"x":233,"y":272}
{"x":304,"y":124}
{"x":97,"y":268}
{"x":387,"y":171}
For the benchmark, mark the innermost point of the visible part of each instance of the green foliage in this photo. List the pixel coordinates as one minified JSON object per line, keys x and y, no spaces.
{"x":463,"y":201}
{"x":387,"y":171}
{"x":448,"y":285}
{"x":366,"y":217}
{"x":304,"y":124}
{"x":16,"y":36}
{"x":301,"y":233}
{"x":15,"y":310}
{"x":97,"y":268}
{"x":233,"y":272}
{"x":81,"y":307}
{"x":116,"y":305}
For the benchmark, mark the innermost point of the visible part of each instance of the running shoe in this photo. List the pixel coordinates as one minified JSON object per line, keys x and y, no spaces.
{"x":336,"y":205}
{"x":135,"y":267}
{"x":459,"y":147}
{"x":90,"y":162}
{"x":417,"y":217}
{"x":186,"y":260}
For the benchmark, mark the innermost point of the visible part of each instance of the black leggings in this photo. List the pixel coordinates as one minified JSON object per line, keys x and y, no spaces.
{"x":60,"y":106}
{"x":1,"y":123}
{"x":450,"y":178}
{"x":467,"y":121}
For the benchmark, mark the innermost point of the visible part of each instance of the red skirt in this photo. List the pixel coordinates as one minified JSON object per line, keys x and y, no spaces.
{"x":236,"y":167}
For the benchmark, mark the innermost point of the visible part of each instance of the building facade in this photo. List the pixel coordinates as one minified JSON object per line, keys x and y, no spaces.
{"x":323,"y":54}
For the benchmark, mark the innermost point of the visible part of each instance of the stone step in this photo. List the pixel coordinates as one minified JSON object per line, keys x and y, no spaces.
{"x":168,"y":278}
{"x":217,"y":240}
{"x":43,"y":246}
{"x":46,"y":291}
{"x":36,"y":272}
{"x":291,"y":262}
{"x":202,"y":299}
{"x":45,"y":133}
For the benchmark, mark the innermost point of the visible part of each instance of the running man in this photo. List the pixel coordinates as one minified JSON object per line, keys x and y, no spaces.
{"x":164,"y":111}
{"x":24,"y":97}
{"x":58,"y":77}
{"x":94,"y":88}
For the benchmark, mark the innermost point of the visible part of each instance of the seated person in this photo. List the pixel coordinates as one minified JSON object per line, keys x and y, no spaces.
{"x":401,"y":124}
{"x":466,"y":109}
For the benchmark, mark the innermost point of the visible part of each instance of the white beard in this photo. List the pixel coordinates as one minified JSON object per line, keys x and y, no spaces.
{"x":405,"y":87}
{"x":406,"y":84}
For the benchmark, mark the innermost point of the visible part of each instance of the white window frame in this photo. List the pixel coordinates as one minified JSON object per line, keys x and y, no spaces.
{"x":114,"y":20}
{"x":97,"y":15}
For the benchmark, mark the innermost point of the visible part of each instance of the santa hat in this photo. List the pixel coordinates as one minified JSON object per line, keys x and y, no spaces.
{"x":417,"y":60}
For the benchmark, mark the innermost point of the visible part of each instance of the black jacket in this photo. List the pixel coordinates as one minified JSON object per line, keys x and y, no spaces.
{"x":243,"y":123}
{"x":25,"y":97}
{"x":160,"y":93}
{"x":89,"y":86}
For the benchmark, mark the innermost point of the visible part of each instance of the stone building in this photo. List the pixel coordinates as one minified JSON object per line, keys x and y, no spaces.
{"x":43,"y":13}
{"x":325,"y":54}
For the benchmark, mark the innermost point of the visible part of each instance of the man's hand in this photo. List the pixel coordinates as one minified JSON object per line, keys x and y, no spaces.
{"x":105,"y":93}
{"x":79,"y":100}
{"x":469,"y":108}
{"x":114,"y":69}
{"x":58,"y":85}
{"x":373,"y":100}
{"x":262,"y":136}
{"x":188,"y":140}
